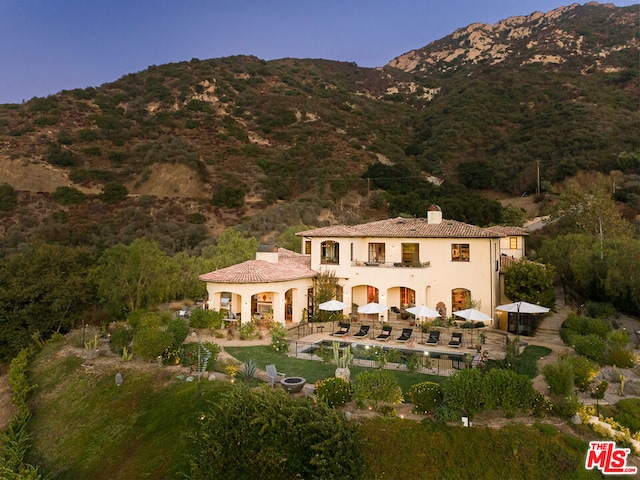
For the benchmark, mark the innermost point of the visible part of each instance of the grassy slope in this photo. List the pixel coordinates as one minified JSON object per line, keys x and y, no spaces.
{"x":84,"y":427}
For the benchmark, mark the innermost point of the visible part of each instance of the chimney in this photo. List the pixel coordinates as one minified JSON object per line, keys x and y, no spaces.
{"x":268,"y":253}
{"x":434,"y":214}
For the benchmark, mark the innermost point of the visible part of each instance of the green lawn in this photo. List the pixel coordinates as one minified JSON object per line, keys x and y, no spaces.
{"x":313,"y":370}
{"x":527,"y":362}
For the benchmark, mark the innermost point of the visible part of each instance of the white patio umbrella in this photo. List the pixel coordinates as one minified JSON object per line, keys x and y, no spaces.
{"x":473,"y":315}
{"x":373,"y":308}
{"x":425,"y":312}
{"x":521,"y":307}
{"x":333,"y":306}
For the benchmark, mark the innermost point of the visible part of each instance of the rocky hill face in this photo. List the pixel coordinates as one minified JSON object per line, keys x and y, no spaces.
{"x":592,"y":35}
{"x":207,"y":144}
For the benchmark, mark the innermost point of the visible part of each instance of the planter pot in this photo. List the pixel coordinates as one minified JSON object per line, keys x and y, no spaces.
{"x":343,"y":373}
{"x":293,"y":384}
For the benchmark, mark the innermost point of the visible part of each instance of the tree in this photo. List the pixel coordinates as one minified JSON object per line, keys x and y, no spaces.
{"x":231,"y":247}
{"x":324,"y":289}
{"x":135,"y":276}
{"x":45,"y":289}
{"x":592,"y":210}
{"x":530,"y":282}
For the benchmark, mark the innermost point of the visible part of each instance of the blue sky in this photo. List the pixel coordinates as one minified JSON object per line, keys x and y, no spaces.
{"x":50,"y":45}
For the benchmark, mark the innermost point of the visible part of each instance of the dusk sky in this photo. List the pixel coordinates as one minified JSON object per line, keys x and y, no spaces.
{"x":50,"y":45}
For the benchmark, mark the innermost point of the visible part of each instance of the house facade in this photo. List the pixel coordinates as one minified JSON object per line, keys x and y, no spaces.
{"x":399,"y":262}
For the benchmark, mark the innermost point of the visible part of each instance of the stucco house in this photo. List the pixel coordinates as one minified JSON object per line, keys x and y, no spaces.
{"x":398,"y":262}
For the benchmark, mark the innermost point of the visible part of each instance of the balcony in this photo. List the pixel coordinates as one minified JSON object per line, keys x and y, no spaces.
{"x":359,"y":263}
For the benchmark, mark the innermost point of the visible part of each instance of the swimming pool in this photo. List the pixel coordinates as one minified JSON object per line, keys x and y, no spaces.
{"x":324,"y":350}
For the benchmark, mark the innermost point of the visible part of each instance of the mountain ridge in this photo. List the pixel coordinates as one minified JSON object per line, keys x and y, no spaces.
{"x":237,"y":137}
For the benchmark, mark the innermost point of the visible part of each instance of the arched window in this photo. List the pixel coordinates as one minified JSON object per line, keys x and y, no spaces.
{"x":329,"y":252}
{"x":460,"y":299}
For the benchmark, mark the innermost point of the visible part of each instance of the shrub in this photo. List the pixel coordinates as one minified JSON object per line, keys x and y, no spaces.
{"x":464,"y":392}
{"x":68,"y":196}
{"x":201,"y":318}
{"x":335,"y":392}
{"x":178,"y":329}
{"x":591,"y":346}
{"x":279,"y":340}
{"x":620,"y":357}
{"x":272,"y":435}
{"x":586,"y":325}
{"x":8,"y":198}
{"x":113,"y":192}
{"x":600,"y":310}
{"x":121,"y":337}
{"x":540,"y":406}
{"x":584,"y":371}
{"x":559,"y":377}
{"x":425,"y":396}
{"x":372,"y":387}
{"x":566,"y":406}
{"x":629,"y":413}
{"x":507,"y":390}
{"x":618,"y":337}
{"x":248,"y":331}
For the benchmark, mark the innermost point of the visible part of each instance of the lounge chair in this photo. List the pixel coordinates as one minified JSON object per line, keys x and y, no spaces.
{"x":273,"y":374}
{"x":434,"y":337}
{"x":343,"y":330}
{"x":406,"y":335}
{"x":456,"y":340}
{"x":385,"y":335}
{"x":363,"y":332}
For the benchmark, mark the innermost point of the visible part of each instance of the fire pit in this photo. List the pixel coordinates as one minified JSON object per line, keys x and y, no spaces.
{"x":293,"y":384}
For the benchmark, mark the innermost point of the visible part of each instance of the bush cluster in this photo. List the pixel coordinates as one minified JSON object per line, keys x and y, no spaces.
{"x":335,"y":392}
{"x":374,"y":387}
{"x":594,"y":338}
{"x":425,"y":396}
{"x":272,"y":435}
{"x":470,"y":391}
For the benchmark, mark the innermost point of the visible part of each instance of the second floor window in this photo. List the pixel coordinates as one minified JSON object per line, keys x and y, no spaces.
{"x":410,"y":254}
{"x":329,"y":252}
{"x":376,"y":252}
{"x":513,"y":243}
{"x":459,"y":252}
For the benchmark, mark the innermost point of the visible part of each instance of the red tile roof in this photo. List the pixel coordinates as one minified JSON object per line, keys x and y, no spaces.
{"x":290,"y":266}
{"x":505,"y":231}
{"x":404,"y":228}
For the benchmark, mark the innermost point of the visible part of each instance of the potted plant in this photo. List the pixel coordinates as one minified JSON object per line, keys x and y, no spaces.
{"x":342,"y":360}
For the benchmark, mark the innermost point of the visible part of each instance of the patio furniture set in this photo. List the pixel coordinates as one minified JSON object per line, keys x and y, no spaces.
{"x":434,"y":336}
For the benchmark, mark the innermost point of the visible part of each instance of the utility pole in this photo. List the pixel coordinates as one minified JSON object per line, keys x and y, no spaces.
{"x":538,"y":169}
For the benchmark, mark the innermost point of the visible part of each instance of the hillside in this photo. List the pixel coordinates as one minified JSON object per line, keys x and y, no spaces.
{"x":229,"y":141}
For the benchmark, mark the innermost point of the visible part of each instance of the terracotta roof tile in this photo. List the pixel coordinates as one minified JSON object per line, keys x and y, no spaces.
{"x":290,"y":266}
{"x":404,"y":228}
{"x":505,"y":231}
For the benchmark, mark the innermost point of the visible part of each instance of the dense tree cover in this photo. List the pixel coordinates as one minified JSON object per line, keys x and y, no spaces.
{"x":530,"y":282}
{"x":593,"y":249}
{"x":407,"y":193}
{"x":133,"y":277}
{"x":46,"y":289}
{"x":266,"y":434}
